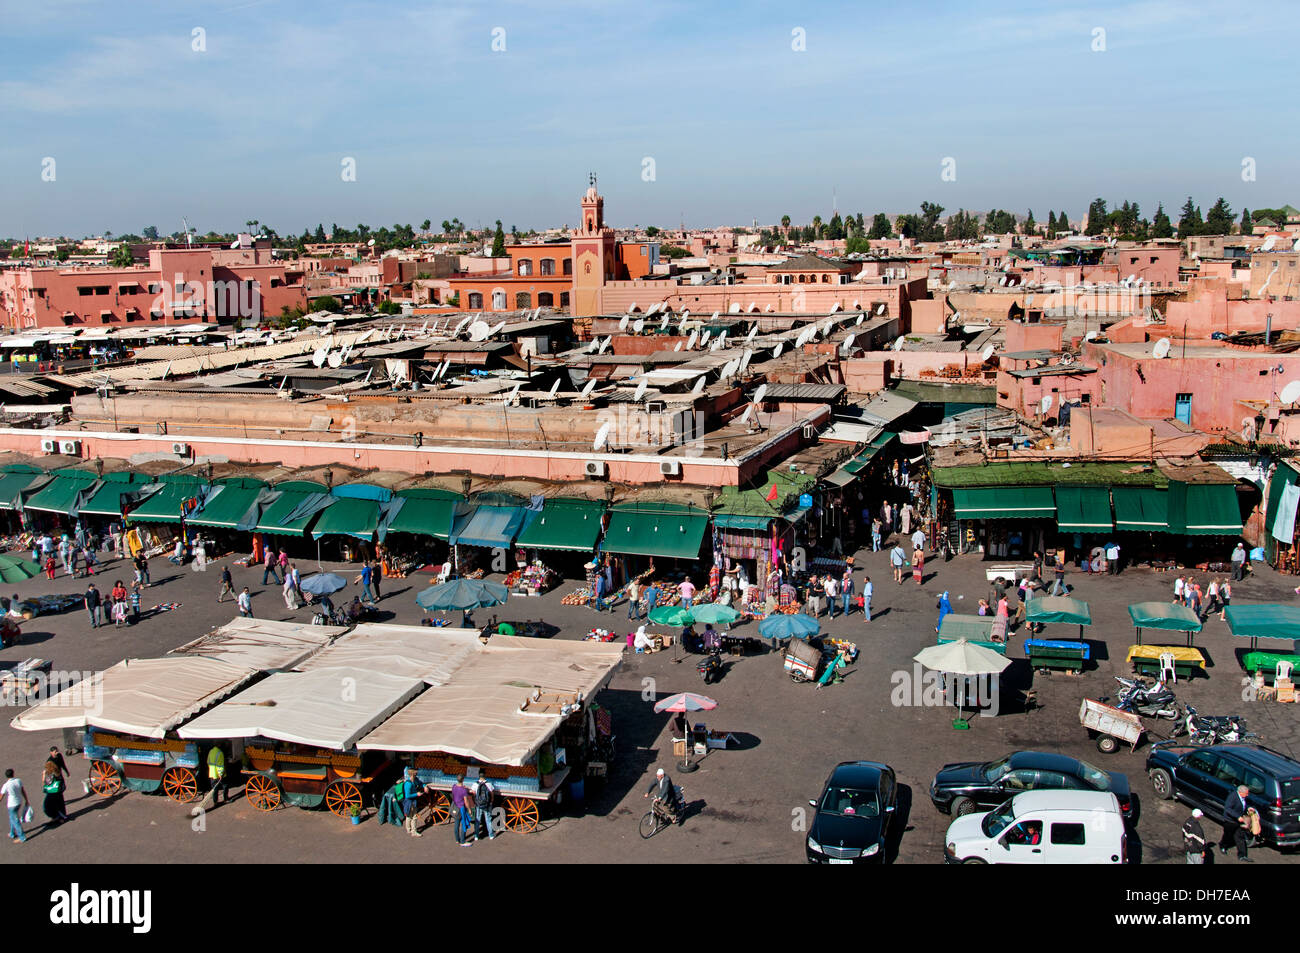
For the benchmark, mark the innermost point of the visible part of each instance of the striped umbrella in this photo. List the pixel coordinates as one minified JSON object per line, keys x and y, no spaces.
{"x":684,"y":702}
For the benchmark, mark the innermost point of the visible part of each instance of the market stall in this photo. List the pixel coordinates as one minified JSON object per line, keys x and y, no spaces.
{"x":1164,"y":617}
{"x":1046,"y":610}
{"x":1264,"y":621}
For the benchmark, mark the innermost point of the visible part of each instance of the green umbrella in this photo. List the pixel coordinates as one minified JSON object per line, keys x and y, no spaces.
{"x":714,"y":613}
{"x":16,"y":569}
{"x":671,"y":615}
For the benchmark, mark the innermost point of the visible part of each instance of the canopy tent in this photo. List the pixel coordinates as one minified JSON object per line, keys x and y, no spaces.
{"x":1264,"y":621}
{"x":1141,"y":509}
{"x":227,"y":505}
{"x":1204,"y":509}
{"x":142,"y":697}
{"x":425,"y":513}
{"x":1047,"y":609}
{"x":292,"y":511}
{"x":348,"y":516}
{"x":363,"y":491}
{"x":738,"y":521}
{"x":488,"y":525}
{"x":1083,"y":509}
{"x":564,"y":524}
{"x":670,"y":530}
{"x":167,"y":504}
{"x":1003,"y":502}
{"x":13,"y":482}
{"x":60,"y":495}
{"x":109,"y":497}
{"x":1165,"y":616}
{"x":972,"y":628}
{"x":262,"y":644}
{"x":477,"y":712}
{"x":329,"y":707}
{"x":413,"y":651}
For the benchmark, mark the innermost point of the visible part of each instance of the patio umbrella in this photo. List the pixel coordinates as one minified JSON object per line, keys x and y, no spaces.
{"x":715,"y":613}
{"x":16,"y":569}
{"x":684,"y":702}
{"x":463,"y":594}
{"x":323,"y":583}
{"x":672,"y":615}
{"x":788,"y":626}
{"x":962,"y":658}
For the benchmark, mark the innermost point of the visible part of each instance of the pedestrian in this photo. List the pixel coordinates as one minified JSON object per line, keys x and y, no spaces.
{"x":178,"y":552}
{"x":118,"y":600}
{"x":1000,"y":620}
{"x":1212,"y":603}
{"x":52,"y":785}
{"x":411,"y":786}
{"x":93,"y":603}
{"x":846,"y":589}
{"x":1196,"y":600}
{"x":460,"y":798}
{"x":282,"y":562}
{"x":897,"y":559}
{"x":1194,"y":838}
{"x":598,"y":593}
{"x":687,"y":591}
{"x":200,"y":556}
{"x":875,"y":536}
{"x":1058,"y":569}
{"x":136,"y":588}
{"x":227,"y":584}
{"x":65,"y":550}
{"x":269,"y":567}
{"x":1112,"y":558}
{"x":19,"y":807}
{"x":1225,"y":596}
{"x":143,"y":559}
{"x":1235,"y":821}
{"x":74,"y":563}
{"x":829,"y":587}
{"x":651,"y":598}
{"x":905,"y":520}
{"x":918,"y":565}
{"x":217,"y":779}
{"x":375,"y":578}
{"x":364,"y":579}
{"x":290,"y":596}
{"x":484,"y":792}
{"x":297,"y":582}
{"x":918,"y":539}
{"x":867,"y":590}
{"x":1178,"y":591}
{"x":245,"y":602}
{"x":88,"y":554}
{"x":945,"y":607}
{"x":50,"y":565}
{"x":1239,"y":562}
{"x":633,"y":600}
{"x":1038,"y":568}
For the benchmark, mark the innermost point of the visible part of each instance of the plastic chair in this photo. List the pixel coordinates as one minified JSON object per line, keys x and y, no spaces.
{"x":1167,"y":673}
{"x":1283,"y":670}
{"x":444,"y":572}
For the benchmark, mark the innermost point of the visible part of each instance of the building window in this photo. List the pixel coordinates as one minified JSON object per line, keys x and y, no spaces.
{"x":475,"y":300}
{"x":498,"y":301}
{"x":564,"y":299}
{"x":523,"y":300}
{"x":548,"y":266}
{"x":545,"y":299}
{"x":525,"y":267}
{"x":568,"y":266}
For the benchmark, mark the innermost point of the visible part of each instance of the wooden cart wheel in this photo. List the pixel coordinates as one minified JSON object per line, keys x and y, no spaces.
{"x":180,"y":784}
{"x":105,"y":779}
{"x":263,"y":792}
{"x":439,"y":808}
{"x":522,"y":814}
{"x":342,"y":796}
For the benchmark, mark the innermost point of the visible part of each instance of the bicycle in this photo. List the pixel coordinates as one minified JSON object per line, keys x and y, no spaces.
{"x":658,"y":817}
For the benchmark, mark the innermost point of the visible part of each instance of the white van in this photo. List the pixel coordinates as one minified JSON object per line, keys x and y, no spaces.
{"x":1042,"y":827}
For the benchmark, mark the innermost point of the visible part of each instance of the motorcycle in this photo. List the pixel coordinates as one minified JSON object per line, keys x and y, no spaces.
{"x":1153,"y":701}
{"x":710,"y":667}
{"x":1215,"y":729}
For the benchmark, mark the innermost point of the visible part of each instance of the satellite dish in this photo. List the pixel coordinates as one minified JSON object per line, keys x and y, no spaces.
{"x":318,"y":359}
{"x":1161,"y":349}
{"x":734,"y":309}
{"x":1003,"y":281}
{"x":1269,"y":243}
{"x":1296,"y":246}
{"x":640,"y":391}
{"x":589,"y":387}
{"x":496,"y":328}
{"x":760,"y":393}
{"x":602,"y":435}
{"x":1046,"y":402}
{"x":690,"y":342}
{"x":1290,"y":393}
{"x":604,"y":344}
{"x":699,"y":384}
{"x":555,"y":388}
{"x":622,"y":324}
{"x":1090,"y":336}
{"x":770,"y":309}
{"x":478,"y":331}
{"x":515,"y":393}
{"x":856,"y":306}
{"x":848,"y":343}
{"x":880,"y":308}
{"x":371,"y":243}
{"x":752,"y":332}
{"x":704,"y":338}
{"x":632,"y":307}
{"x":663,"y":325}
{"x":1248,"y":429}
{"x":639,"y":325}
{"x":835,"y":307}
{"x":336,"y":359}
{"x":744,"y":418}
{"x":461,"y":325}
{"x":745,"y":359}
{"x":898,"y":345}
{"x":776,"y":351}
{"x":717,"y":344}
{"x":678,"y":347}
{"x":861,"y":318}
{"x":986,"y":353}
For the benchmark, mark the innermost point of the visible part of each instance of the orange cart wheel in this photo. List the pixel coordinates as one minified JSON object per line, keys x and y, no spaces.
{"x":439,"y":807}
{"x":522,"y":814}
{"x":342,"y":796}
{"x":263,"y":792}
{"x":180,"y":784}
{"x":105,"y":779}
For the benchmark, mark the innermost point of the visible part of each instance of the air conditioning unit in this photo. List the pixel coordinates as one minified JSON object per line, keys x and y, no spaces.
{"x":810,"y":431}
{"x":655,"y":407}
{"x":49,"y":445}
{"x":181,"y":449}
{"x":70,"y":447}
{"x":670,"y":467}
{"x":595,"y":468}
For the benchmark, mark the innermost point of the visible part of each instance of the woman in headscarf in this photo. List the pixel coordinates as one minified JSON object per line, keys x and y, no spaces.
{"x":944,"y":608}
{"x":1000,"y":621}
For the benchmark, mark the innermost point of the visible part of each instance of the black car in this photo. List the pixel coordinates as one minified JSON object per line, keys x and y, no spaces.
{"x":970,"y":786}
{"x":853,"y":814}
{"x":1205,"y":777}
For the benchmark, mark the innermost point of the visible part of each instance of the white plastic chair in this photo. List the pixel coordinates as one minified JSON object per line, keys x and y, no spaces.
{"x":1167,"y":672}
{"x":444,"y":572}
{"x":1283,"y":670}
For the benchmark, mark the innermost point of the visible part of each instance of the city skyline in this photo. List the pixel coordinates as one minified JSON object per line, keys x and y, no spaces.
{"x":740,"y":124}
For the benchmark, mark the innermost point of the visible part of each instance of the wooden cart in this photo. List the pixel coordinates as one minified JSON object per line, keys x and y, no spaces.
{"x":520,"y":793}
{"x":310,"y":777}
{"x":141,"y":764}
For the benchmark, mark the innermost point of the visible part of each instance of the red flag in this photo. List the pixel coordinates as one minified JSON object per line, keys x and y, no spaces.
{"x":772,"y":494}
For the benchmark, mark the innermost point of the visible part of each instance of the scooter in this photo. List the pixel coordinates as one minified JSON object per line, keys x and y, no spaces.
{"x":710,"y":667}
{"x":1215,"y":729}
{"x":1154,"y":701}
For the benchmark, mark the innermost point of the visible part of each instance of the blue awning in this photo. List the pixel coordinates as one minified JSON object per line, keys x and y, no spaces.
{"x":491,"y":526}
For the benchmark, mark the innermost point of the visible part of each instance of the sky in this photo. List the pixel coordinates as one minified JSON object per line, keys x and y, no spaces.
{"x":709,"y":113}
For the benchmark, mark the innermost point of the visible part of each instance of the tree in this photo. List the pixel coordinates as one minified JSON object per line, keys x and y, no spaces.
{"x":817,"y":227}
{"x":835,"y":230}
{"x":1063,"y":224}
{"x":424,"y":226}
{"x":1051,"y":224}
{"x":808,"y":234}
{"x":1247,"y":223}
{"x":1161,"y":226}
{"x":785,"y":222}
{"x":1218,"y":220}
{"x":651,"y":231}
{"x":1097,"y":217}
{"x":1031,"y":227}
{"x":150,"y":232}
{"x":499,"y":242}
{"x":1189,"y":220}
{"x":931,"y":230}
{"x":861,"y":225}
{"x":122,"y":257}
{"x":880,"y":227}
{"x":389,"y":307}
{"x":857,"y":245}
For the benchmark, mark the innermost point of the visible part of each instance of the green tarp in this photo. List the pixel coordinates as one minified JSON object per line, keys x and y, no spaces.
{"x":1004,"y":502}
{"x":972,"y":628}
{"x":1141,"y":509}
{"x":1207,"y":509}
{"x":732,"y":521}
{"x":656,"y":529}
{"x":487,"y":525}
{"x":165,"y":505}
{"x":1264,"y":621}
{"x":13,"y":483}
{"x":1083,"y":509}
{"x":348,"y":517}
{"x":564,"y":524}
{"x":59,"y":495}
{"x":1058,"y":609}
{"x":1164,"y":615}
{"x":226,"y":506}
{"x":276,"y":517}
{"x":425,"y":515}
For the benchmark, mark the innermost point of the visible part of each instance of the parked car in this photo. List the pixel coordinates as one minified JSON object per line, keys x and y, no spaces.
{"x":1204,"y":777}
{"x":1042,"y":827}
{"x":853,"y":814}
{"x":970,"y":786}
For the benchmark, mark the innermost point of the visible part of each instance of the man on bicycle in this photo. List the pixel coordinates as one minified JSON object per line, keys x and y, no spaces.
{"x":665,"y":794}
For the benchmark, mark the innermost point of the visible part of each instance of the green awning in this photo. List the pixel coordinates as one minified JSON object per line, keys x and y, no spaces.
{"x":1083,"y":509}
{"x":276,"y":517}
{"x":1004,"y":503}
{"x":564,"y":524}
{"x":972,"y":628}
{"x":166,"y":505}
{"x":226,"y":506}
{"x":1164,"y":615}
{"x":1141,"y":509}
{"x":1264,"y":621}
{"x":348,"y":517}
{"x":107,"y":499}
{"x":1058,"y":609}
{"x":11,"y":484}
{"x":736,"y":521}
{"x":671,"y":530}
{"x":59,"y":495}
{"x":494,"y":527}
{"x":425,"y":515}
{"x":1210,"y":509}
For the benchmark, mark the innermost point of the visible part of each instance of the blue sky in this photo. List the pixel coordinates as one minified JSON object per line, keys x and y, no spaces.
{"x":144,"y":129}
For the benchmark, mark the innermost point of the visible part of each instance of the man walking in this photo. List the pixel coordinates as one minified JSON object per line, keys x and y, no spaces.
{"x":364,"y":579}
{"x":687,"y":591}
{"x":460,"y":798}
{"x":918,"y":539}
{"x":867,"y":590}
{"x":1194,"y":838}
{"x":897,"y":559}
{"x":245,"y":603}
{"x":633,"y":598}
{"x":828,"y":586}
{"x":1058,"y":569}
{"x":269,"y":567}
{"x":483,"y":794}
{"x":846,"y":590}
{"x":1238,"y":562}
{"x":227,"y":585}
{"x":93,"y":605}
{"x":16,"y":800}
{"x":1235,"y":820}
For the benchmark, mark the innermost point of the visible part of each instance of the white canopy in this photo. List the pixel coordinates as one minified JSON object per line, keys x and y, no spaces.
{"x":476,"y":713}
{"x":263,"y":644}
{"x":326,"y":707}
{"x":415,"y":651}
{"x":962,"y":658}
{"x":143,"y":697}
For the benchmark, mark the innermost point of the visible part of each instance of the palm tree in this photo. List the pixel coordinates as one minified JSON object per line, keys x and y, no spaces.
{"x":785,"y":222}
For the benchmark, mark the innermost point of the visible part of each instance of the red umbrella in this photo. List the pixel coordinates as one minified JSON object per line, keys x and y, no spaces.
{"x":684,"y":702}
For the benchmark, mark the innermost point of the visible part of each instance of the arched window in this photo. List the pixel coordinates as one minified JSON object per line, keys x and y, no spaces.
{"x":548,"y":266}
{"x":545,"y":299}
{"x":498,"y":300}
{"x":826,"y":279}
{"x":525,"y":267}
{"x":523,"y":300}
{"x":475,"y":300}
